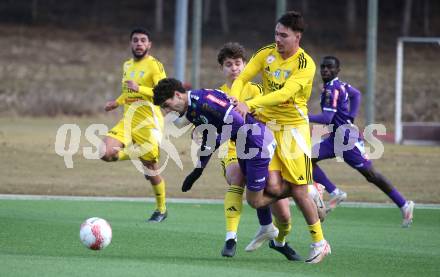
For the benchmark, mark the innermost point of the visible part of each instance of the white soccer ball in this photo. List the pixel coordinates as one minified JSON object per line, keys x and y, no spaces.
{"x":95,"y":233}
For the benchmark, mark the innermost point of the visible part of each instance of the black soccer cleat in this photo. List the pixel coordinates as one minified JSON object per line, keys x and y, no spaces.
{"x":157,"y":216}
{"x":287,"y":251}
{"x":229,"y":248}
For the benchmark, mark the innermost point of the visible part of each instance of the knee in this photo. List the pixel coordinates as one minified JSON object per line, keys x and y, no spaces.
{"x":299,"y":192}
{"x":255,"y":203}
{"x":283,"y":217}
{"x":235,"y":179}
{"x":234,"y":176}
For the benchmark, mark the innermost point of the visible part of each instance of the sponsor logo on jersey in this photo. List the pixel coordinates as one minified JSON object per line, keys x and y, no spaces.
{"x":132,"y":74}
{"x":277,"y":73}
{"x":287,"y":73}
{"x":141,"y":73}
{"x":216,"y":100}
{"x":270,"y":59}
{"x":274,"y":86}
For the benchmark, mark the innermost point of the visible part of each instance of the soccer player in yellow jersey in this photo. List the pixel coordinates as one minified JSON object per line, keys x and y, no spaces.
{"x":142,"y":122}
{"x":232,"y":60}
{"x":287,"y":73}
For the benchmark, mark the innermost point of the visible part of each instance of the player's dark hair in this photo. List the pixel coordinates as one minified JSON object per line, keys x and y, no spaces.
{"x":140,"y":31}
{"x":231,"y":50}
{"x":293,"y":20}
{"x":164,"y":90}
{"x":336,"y":60}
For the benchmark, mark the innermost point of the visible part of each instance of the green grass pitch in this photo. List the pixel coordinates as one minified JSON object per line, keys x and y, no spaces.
{"x":41,"y":238}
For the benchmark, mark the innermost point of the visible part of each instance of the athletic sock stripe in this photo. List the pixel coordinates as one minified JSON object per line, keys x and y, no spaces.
{"x":236,"y":190}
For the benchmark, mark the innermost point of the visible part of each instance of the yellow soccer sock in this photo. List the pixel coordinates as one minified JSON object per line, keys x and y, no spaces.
{"x":233,"y":204}
{"x":159,"y":192}
{"x":284,"y":228}
{"x":316,"y":232}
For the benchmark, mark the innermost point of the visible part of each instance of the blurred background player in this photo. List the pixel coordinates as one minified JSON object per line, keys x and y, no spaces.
{"x":339,"y":104}
{"x":287,"y":73}
{"x":142,"y":122}
{"x":232,"y":60}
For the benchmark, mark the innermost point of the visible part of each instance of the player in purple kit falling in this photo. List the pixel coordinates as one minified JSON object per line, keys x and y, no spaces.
{"x":212,"y":111}
{"x":339,"y":104}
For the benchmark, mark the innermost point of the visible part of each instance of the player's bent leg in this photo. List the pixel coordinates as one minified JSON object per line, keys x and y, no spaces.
{"x":266,"y":232}
{"x":406,"y":207}
{"x":281,"y":212}
{"x":233,"y":204}
{"x":319,"y":247}
{"x":110,"y":148}
{"x":158,"y":184}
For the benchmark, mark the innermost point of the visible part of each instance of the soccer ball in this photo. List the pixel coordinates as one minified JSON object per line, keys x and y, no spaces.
{"x":95,"y":233}
{"x":315,"y":192}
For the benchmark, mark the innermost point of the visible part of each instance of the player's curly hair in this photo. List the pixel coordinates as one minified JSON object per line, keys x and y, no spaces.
{"x":293,"y":20}
{"x":165,"y":89}
{"x":231,"y":50}
{"x":139,"y":30}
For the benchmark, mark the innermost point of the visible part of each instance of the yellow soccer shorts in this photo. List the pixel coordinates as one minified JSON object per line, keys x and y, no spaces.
{"x":230,"y":158}
{"x":140,"y":140}
{"x":293,"y":155}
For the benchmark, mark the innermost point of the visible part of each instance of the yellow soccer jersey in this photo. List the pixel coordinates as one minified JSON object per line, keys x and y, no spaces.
{"x":250,"y":91}
{"x":146,"y":73}
{"x":287,"y":85}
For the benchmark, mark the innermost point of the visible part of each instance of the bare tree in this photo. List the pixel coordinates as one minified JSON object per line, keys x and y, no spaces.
{"x":158,"y":22}
{"x":34,"y":12}
{"x":224,"y":16}
{"x":206,"y":11}
{"x":304,"y":6}
{"x":350,"y":17}
{"x":406,"y":26}
{"x":426,"y":13}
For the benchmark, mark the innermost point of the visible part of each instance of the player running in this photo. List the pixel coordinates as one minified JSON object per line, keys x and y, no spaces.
{"x":339,"y":104}
{"x":142,"y":122}
{"x":232,"y":60}
{"x":287,"y":72}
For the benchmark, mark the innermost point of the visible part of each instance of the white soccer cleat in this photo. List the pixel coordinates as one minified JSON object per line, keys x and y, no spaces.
{"x":318,"y":251}
{"x":407,"y":214}
{"x":264,"y":234}
{"x":335,"y":200}
{"x":315,"y":192}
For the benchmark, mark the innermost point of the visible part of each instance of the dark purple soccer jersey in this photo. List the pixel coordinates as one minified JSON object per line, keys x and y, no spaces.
{"x":334,"y":98}
{"x":208,"y":106}
{"x":254,"y":141}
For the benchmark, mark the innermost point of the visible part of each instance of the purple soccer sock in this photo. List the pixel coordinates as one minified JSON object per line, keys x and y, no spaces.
{"x":397,"y":198}
{"x":264,"y":216}
{"x":320,"y":177}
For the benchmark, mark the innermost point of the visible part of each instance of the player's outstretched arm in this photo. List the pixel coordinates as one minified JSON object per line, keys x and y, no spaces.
{"x":111,"y":105}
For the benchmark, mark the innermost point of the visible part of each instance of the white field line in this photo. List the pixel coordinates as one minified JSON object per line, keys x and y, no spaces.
{"x":185,"y":200}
